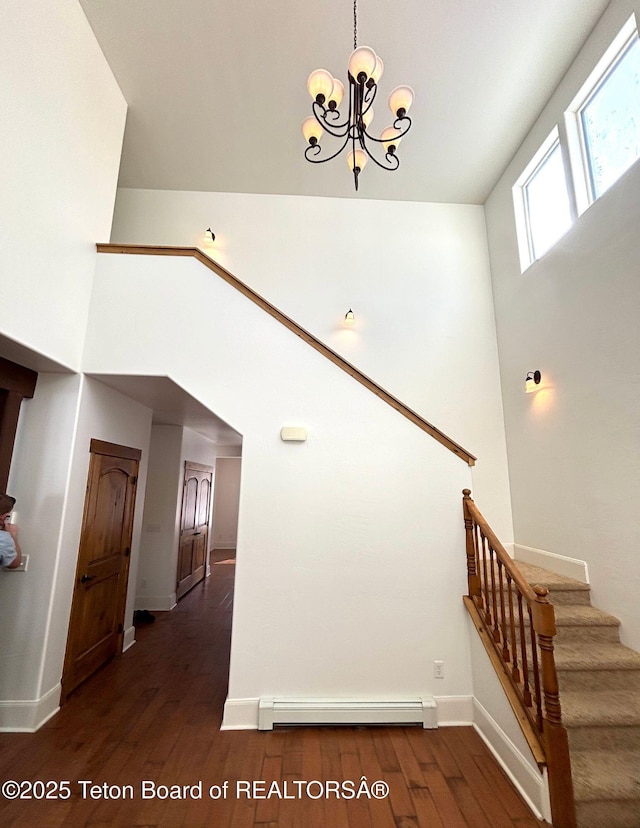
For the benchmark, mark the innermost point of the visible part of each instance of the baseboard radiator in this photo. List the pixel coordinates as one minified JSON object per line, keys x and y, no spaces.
{"x":305,"y":711}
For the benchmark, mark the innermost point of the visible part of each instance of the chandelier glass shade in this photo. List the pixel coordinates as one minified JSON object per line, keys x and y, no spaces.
{"x":353,"y":129}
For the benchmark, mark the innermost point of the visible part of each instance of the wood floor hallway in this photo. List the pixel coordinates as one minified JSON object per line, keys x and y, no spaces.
{"x":154,"y":714}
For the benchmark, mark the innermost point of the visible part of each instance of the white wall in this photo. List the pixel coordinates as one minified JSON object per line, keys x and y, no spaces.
{"x":573,"y":315}
{"x":48,"y":478}
{"x":416,"y":276}
{"x":335,"y":534}
{"x":60,"y":137}
{"x":156,"y":583}
{"x":171,"y":446}
{"x":225,"y":502}
{"x":39,"y":481}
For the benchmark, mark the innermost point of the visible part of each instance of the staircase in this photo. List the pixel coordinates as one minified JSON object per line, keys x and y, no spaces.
{"x":599,"y":682}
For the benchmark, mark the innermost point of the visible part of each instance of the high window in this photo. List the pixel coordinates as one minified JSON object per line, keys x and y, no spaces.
{"x":610,"y":122}
{"x":542,"y":202}
{"x":599,"y":142}
{"x":603,"y":121}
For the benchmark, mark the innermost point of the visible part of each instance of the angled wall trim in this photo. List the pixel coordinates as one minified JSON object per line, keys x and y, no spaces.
{"x":315,"y":343}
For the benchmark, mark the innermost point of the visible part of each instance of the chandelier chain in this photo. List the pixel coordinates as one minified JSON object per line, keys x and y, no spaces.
{"x":355,"y":24}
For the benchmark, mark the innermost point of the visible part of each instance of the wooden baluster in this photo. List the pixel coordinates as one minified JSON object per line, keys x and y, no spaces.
{"x":473,"y":578}
{"x":494,"y":601}
{"x":506,"y":655}
{"x":487,"y":595}
{"x":555,"y":734}
{"x":476,"y":544}
{"x":526,"y":692}
{"x":515,"y":672}
{"x":536,"y":670}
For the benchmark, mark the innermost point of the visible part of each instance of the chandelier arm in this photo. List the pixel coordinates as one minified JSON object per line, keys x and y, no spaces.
{"x":401,"y":120}
{"x":317,"y":149}
{"x":391,"y":157}
{"x":337,"y":130}
{"x":369,"y":96}
{"x":401,"y":132}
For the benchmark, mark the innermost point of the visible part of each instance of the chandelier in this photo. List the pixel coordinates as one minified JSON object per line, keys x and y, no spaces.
{"x":327,"y":92}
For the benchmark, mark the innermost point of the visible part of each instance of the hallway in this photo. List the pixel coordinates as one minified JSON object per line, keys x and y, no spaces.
{"x":154,"y":714}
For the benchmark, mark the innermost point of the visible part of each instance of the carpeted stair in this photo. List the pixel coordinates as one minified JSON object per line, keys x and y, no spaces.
{"x":600,"y":696}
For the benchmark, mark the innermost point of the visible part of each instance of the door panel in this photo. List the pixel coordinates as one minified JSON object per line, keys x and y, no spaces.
{"x":194,"y":526}
{"x":97,"y":611}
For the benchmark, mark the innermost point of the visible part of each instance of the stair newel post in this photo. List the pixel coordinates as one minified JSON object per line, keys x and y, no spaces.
{"x":473,"y":578}
{"x":555,"y":734}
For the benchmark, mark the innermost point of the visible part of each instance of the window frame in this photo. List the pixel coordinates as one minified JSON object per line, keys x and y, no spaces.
{"x":526,"y":244}
{"x":579,"y":157}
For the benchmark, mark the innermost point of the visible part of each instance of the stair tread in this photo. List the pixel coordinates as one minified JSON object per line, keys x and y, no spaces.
{"x":569,"y":615}
{"x":583,"y":708}
{"x":578,"y":655}
{"x":606,"y":775}
{"x":553,"y":581}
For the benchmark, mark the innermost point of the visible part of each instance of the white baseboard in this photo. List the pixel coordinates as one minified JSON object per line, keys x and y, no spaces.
{"x":531,"y":784}
{"x":28,"y":716}
{"x":454,"y":711}
{"x":159,"y":603}
{"x":240,"y":714}
{"x":561,"y":564}
{"x":129,"y":638}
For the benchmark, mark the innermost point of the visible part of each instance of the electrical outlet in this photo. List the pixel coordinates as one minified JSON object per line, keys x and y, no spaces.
{"x":438,"y":669}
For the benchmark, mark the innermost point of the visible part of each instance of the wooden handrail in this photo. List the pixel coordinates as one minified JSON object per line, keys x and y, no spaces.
{"x":521,"y":652}
{"x":472,"y":510}
{"x":315,"y":343}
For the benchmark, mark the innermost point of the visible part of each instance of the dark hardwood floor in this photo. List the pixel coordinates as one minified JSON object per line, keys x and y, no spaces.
{"x":154,"y":714}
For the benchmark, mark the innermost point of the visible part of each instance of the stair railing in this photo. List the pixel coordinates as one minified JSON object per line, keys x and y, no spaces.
{"x":516,"y":623}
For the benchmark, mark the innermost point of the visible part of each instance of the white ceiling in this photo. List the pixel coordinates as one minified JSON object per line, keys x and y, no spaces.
{"x":217,"y":88}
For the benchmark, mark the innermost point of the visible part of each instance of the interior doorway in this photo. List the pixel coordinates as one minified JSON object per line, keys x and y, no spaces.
{"x":97,"y":611}
{"x":194,"y":526}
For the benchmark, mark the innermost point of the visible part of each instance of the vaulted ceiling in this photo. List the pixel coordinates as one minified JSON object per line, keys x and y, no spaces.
{"x":217,"y":88}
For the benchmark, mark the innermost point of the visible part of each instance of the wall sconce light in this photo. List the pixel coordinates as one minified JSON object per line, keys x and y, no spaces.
{"x":349,"y":318}
{"x":532,"y":381}
{"x":209,"y":236}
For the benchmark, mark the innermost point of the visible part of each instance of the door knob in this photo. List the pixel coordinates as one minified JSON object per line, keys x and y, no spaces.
{"x":86,"y":578}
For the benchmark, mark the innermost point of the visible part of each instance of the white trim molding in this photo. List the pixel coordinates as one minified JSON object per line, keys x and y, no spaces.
{"x":454,"y":711}
{"x":129,"y":638}
{"x":531,"y":784}
{"x":29,"y":716}
{"x":159,"y":603}
{"x":560,"y":564}
{"x":240,"y":714}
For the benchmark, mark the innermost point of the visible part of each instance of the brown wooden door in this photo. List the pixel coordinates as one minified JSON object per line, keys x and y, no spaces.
{"x":194,"y":526}
{"x":97,"y":611}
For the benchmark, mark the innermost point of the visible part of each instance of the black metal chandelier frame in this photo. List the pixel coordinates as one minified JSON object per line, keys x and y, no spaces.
{"x":362,"y":93}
